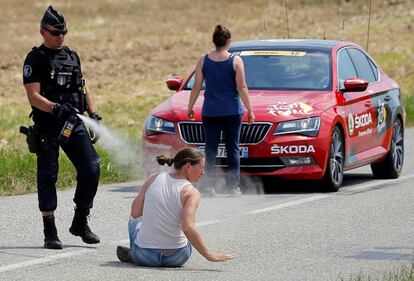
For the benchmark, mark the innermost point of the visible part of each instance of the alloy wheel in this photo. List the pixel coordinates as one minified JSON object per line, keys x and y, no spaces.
{"x":397,"y":146}
{"x":336,"y":158}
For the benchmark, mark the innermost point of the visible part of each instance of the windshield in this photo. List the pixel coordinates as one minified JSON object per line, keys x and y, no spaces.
{"x":285,"y":70}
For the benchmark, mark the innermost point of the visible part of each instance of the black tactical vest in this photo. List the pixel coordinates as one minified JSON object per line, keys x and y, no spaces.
{"x":64,"y":83}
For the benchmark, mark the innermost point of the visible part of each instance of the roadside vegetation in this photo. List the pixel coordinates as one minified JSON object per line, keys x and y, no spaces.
{"x":129,"y":48}
{"x":403,"y":273}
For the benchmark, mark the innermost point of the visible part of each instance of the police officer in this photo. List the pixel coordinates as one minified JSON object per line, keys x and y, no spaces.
{"x":54,"y":85}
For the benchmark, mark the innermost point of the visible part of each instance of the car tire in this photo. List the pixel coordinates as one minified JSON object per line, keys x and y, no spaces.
{"x":391,"y":167}
{"x":334,"y":173}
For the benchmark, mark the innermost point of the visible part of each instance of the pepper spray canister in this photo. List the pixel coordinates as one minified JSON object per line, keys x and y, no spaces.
{"x":67,"y":129}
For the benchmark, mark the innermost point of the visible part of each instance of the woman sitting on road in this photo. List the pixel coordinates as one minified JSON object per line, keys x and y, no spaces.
{"x":162,"y":227}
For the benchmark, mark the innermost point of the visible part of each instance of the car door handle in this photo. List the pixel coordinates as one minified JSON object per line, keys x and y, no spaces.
{"x":387,"y":98}
{"x":368,"y":104}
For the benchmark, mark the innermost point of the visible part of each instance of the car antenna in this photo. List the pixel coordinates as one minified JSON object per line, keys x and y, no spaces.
{"x":342,"y":29}
{"x":287,"y":20}
{"x":341,"y":35}
{"x":369,"y":23}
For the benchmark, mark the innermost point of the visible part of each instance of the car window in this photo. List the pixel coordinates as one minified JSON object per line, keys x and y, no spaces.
{"x":346,"y":67}
{"x":362,"y":65}
{"x":374,"y":69}
{"x":285,"y":70}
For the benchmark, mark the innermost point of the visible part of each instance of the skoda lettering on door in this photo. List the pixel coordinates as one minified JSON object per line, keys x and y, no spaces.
{"x":358,"y":121}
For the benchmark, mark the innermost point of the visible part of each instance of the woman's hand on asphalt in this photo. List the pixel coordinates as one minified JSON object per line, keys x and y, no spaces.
{"x":213,"y":257}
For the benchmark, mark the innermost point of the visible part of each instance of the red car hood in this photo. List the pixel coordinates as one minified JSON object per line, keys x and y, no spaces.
{"x":267,"y":105}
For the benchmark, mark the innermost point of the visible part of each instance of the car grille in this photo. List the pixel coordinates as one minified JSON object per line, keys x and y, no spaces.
{"x":193,"y":133}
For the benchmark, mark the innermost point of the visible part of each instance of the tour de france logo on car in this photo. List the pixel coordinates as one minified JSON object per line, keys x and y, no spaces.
{"x":381,"y":117}
{"x":285,"y":109}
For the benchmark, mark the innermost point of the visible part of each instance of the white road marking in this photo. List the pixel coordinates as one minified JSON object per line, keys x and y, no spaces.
{"x":200,"y":224}
{"x":44,"y":260}
{"x":288,"y":204}
{"x":378,"y":183}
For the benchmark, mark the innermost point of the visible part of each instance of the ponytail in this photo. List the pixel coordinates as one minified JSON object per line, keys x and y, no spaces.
{"x":184,"y":156}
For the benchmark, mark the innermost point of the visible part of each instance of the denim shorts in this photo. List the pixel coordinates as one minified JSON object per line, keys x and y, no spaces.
{"x":153,"y":257}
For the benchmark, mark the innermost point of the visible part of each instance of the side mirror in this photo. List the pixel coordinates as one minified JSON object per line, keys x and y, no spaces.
{"x":353,"y":84}
{"x":174,"y":83}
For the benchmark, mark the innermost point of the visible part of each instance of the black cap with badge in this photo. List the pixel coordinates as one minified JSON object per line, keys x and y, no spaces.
{"x":53,"y":18}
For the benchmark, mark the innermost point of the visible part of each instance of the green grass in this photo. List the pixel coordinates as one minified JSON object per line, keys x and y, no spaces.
{"x":403,"y":273}
{"x":409,"y":109}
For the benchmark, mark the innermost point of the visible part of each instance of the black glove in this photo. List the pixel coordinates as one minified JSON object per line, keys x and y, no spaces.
{"x":93,"y":133}
{"x":63,"y":111}
{"x":95,"y":117}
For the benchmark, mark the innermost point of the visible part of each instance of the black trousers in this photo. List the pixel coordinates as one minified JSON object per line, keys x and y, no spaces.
{"x":231,"y":126}
{"x":83,"y":156}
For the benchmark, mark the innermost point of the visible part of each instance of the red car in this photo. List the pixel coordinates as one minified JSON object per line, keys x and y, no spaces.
{"x":322,"y":107}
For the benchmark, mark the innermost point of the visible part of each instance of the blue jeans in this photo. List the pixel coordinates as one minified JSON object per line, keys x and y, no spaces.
{"x":153,"y":257}
{"x":231,"y":126}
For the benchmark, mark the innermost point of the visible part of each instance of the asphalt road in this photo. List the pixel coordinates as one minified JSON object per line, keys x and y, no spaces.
{"x":296,"y":233}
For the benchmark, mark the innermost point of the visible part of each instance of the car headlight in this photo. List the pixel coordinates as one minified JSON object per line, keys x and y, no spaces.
{"x":307,"y":127}
{"x":156,"y":125}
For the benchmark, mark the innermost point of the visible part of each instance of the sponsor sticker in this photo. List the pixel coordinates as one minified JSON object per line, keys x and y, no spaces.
{"x":292,"y":149}
{"x":273,"y":53}
{"x":351,"y":125}
{"x":381,"y":117}
{"x":27,"y":70}
{"x":358,"y":121}
{"x":285,"y":109}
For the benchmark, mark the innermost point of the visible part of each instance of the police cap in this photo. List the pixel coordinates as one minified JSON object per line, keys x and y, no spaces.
{"x":54,"y":18}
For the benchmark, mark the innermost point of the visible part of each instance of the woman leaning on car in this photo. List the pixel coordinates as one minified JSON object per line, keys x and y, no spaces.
{"x":225,"y":83}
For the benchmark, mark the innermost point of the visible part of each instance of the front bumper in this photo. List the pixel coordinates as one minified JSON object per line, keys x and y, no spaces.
{"x":272,"y":156}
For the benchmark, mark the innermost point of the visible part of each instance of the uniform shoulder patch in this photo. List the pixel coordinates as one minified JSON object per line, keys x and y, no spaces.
{"x":27,"y":70}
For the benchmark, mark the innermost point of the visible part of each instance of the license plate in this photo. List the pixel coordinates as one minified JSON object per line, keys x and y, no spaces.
{"x":222,"y":152}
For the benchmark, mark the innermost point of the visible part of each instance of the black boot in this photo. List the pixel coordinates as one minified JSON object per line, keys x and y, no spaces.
{"x":81,"y":228}
{"x":51,"y":238}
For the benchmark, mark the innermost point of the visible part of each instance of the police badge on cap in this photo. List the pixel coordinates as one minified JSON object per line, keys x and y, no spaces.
{"x":53,"y":18}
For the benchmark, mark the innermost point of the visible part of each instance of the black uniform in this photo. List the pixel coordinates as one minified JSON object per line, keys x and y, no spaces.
{"x":60,"y":77}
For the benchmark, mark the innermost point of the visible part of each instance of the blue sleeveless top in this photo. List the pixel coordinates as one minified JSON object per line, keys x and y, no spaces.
{"x":221,"y":97}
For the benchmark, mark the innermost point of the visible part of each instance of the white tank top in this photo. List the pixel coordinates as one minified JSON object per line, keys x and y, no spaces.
{"x":162,"y":215}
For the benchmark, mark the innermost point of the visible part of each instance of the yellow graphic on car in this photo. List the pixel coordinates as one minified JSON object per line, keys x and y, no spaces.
{"x":273,"y":53}
{"x":305,"y":107}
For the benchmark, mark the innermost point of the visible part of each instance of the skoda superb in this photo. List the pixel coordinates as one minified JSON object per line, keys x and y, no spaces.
{"x":322,"y":107}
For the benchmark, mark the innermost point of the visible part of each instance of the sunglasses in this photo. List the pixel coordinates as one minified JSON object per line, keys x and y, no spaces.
{"x":56,"y":32}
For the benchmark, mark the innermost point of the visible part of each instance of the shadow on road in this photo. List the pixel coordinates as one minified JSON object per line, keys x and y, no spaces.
{"x":125,"y":188}
{"x":272,"y":185}
{"x":387,"y":253}
{"x":119,"y":264}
